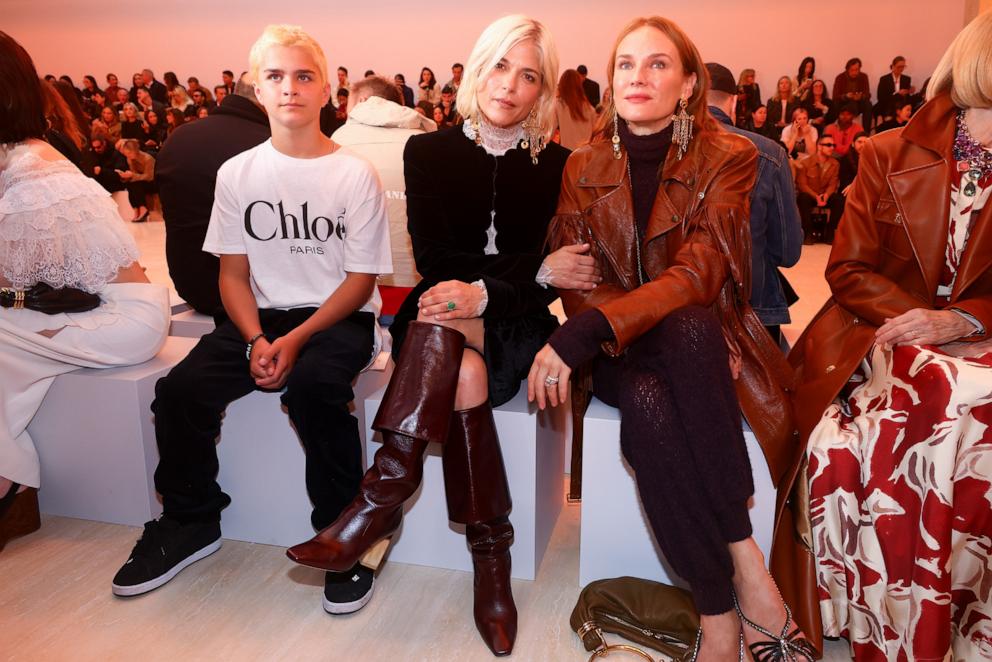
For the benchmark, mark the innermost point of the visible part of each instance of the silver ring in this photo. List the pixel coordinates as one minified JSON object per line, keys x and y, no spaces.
{"x":550,"y":381}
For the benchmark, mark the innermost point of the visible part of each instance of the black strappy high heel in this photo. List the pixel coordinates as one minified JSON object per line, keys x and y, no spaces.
{"x":785,"y":647}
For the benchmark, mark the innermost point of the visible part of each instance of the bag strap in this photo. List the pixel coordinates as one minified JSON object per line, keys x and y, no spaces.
{"x":603,"y":649}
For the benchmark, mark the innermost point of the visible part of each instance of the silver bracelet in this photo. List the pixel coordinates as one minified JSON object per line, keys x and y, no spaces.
{"x":251,"y":343}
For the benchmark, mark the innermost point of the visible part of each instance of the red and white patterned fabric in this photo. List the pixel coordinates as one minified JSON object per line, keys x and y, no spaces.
{"x":900,"y":478}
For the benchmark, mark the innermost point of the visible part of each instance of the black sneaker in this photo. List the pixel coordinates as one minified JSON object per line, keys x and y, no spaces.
{"x":166,"y":547}
{"x":347,"y":592}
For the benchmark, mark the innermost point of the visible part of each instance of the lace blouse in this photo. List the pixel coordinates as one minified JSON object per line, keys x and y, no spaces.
{"x":59,"y":227}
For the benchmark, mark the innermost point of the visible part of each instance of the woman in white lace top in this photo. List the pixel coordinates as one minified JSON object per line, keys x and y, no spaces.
{"x":60,"y":228}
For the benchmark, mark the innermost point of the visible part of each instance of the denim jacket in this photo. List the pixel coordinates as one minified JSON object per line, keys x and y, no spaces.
{"x":776,"y":231}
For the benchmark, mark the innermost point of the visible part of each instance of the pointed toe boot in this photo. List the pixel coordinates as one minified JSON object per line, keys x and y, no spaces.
{"x":479,"y":497}
{"x":415,"y":410}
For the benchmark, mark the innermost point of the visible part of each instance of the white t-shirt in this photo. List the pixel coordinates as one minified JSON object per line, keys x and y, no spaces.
{"x":302,"y":223}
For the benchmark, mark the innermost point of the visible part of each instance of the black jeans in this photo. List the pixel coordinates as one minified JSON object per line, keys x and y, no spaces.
{"x":191,"y":399}
{"x":680,"y":431}
{"x":807,"y":203}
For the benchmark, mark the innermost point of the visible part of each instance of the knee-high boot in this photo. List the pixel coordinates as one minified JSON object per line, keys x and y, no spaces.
{"x":415,"y":410}
{"x":478,"y":497}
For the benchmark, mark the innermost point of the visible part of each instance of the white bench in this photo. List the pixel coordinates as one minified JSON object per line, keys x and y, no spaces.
{"x":615,"y":538}
{"x":533,"y":445}
{"x":262,"y":466}
{"x":191,"y":324}
{"x":96,"y":440}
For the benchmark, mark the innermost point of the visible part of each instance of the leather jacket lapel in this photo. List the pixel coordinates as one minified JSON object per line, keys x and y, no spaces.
{"x":925,"y":224}
{"x":606,"y":176}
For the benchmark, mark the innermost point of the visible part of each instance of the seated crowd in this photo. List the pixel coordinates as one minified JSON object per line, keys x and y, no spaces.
{"x":300,"y":208}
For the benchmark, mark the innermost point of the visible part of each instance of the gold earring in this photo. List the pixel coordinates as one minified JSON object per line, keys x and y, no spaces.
{"x":533,"y":138}
{"x":616,"y":136}
{"x":478,"y":132}
{"x":682,"y":128}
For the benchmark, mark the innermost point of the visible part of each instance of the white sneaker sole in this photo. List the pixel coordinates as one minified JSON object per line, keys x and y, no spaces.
{"x":339,"y":608}
{"x":152,"y":584}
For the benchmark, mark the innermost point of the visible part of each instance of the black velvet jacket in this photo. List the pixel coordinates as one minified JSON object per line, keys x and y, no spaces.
{"x":453,"y":187}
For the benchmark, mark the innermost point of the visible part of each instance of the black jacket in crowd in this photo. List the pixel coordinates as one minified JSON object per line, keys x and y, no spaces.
{"x":186,"y":172}
{"x":159,"y":92}
{"x":109,"y":162}
{"x":591,"y":88}
{"x":887,"y":94}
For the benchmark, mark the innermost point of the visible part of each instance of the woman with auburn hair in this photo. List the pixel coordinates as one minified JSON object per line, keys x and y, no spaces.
{"x":669,"y":335}
{"x":61,"y":241}
{"x":891,"y":508}
{"x":574,"y":114}
{"x":479,"y":201}
{"x":64,"y":131}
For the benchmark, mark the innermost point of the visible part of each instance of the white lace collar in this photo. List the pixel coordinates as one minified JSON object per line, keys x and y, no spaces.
{"x":496,"y":141}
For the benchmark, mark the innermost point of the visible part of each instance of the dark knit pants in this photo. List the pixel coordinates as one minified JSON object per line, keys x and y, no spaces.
{"x":681,"y":433}
{"x":191,"y":399}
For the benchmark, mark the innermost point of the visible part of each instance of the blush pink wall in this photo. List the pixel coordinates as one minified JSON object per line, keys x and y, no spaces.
{"x":202,"y":37}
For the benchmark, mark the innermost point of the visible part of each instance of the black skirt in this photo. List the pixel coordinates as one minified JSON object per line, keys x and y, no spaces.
{"x":510,"y":346}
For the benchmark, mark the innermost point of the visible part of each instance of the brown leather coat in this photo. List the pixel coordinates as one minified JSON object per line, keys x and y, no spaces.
{"x":887,"y":259}
{"x":696,"y":251}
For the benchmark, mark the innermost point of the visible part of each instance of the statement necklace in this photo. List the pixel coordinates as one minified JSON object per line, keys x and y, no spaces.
{"x":974,"y":161}
{"x":495,"y":140}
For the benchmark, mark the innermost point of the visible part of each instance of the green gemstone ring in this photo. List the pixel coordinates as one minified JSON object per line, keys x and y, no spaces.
{"x":451,"y":305}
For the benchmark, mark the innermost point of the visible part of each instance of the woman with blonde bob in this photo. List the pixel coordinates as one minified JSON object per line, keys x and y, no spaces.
{"x":669,"y":336}
{"x":479,"y":200}
{"x":892,"y":514}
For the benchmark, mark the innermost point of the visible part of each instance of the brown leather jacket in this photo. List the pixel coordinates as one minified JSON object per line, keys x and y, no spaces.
{"x":887,"y":259}
{"x":696,"y":251}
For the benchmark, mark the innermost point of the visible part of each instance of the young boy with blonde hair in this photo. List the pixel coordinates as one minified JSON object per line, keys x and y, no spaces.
{"x":302,"y":233}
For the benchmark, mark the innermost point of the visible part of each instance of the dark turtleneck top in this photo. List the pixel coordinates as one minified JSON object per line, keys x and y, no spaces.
{"x":646,"y":154}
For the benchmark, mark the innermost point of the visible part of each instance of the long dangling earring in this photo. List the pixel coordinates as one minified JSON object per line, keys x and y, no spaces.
{"x":682,"y":128}
{"x":477,"y":130}
{"x":616,"y":136}
{"x":533,"y":138}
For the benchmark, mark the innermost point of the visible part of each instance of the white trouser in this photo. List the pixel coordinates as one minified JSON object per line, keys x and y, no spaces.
{"x":129,"y":327}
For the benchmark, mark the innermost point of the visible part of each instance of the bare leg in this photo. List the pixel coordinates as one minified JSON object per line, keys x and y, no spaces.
{"x":756,"y":591}
{"x":721,"y":638}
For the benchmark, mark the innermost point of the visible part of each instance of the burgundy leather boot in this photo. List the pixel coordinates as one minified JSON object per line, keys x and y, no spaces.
{"x":478,"y":497}
{"x":415,"y":410}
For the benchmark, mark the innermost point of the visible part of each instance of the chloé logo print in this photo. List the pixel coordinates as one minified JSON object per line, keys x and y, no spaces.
{"x":265,"y":221}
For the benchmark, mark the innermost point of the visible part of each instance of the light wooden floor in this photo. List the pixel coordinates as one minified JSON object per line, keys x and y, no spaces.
{"x":248,"y":602}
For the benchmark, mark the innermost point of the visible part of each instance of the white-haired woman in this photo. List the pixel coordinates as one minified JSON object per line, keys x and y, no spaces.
{"x":479,"y":200}
{"x":894,"y":387}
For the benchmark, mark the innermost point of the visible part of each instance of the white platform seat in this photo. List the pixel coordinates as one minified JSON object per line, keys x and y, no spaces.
{"x":615,"y":538}
{"x":533,"y":445}
{"x":262,"y":466}
{"x":191,"y":324}
{"x":96,"y":440}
